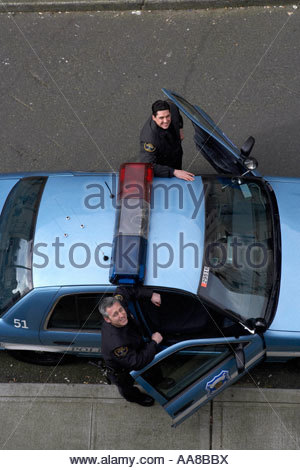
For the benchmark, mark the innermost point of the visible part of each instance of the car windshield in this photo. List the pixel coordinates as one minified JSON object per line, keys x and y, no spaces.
{"x":238,"y":269}
{"x":17,"y":225}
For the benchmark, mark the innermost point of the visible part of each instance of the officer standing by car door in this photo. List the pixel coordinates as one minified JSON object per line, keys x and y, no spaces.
{"x":123,"y":346}
{"x":160,"y":141}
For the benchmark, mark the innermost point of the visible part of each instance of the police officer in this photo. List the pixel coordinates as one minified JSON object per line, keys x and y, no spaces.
{"x":160,"y":141}
{"x":123,"y":347}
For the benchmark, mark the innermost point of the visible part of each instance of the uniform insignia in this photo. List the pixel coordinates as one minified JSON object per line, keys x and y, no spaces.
{"x":149,"y":147}
{"x":119,"y":297}
{"x":121,"y":352}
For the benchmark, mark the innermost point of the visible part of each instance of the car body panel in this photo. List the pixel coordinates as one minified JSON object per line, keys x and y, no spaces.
{"x":282,"y":345}
{"x":174,"y":257}
{"x":74,"y":231}
{"x":80,"y":342}
{"x":287,"y":191}
{"x":69,"y":233}
{"x":19,"y":327}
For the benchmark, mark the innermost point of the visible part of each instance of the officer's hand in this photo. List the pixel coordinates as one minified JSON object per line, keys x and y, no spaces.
{"x":181,"y":133}
{"x":157,"y":337}
{"x":184,"y":175}
{"x":156,"y":299}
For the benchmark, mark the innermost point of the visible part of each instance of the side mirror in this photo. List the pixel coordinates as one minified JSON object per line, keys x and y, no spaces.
{"x":247,"y":146}
{"x":250,"y":163}
{"x":260,"y":325}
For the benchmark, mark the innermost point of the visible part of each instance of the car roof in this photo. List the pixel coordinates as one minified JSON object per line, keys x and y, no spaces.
{"x":71,"y":223}
{"x":75,"y":230}
{"x":176,"y":235}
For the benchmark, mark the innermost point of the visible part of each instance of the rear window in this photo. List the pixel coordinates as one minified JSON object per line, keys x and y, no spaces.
{"x":17,"y":226}
{"x":77,"y":312}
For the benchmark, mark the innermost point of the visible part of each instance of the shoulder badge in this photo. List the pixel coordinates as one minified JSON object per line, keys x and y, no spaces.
{"x":119,"y":297}
{"x":149,"y":147}
{"x":121,"y":352}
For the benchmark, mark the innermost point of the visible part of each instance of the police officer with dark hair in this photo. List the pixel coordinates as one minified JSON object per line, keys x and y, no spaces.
{"x":160,"y":141}
{"x":123,"y":346}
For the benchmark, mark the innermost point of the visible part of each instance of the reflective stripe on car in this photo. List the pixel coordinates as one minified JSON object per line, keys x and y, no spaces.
{"x":33,"y":347}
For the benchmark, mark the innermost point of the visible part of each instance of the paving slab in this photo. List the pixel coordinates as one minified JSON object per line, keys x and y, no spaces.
{"x":128,"y":426}
{"x":88,"y":417}
{"x":44,"y":425}
{"x":52,"y":416}
{"x":257,"y":419}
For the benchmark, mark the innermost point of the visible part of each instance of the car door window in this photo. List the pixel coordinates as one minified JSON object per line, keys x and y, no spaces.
{"x":78,"y":311}
{"x":182,"y":316}
{"x":184,"y":368}
{"x":178,"y":314}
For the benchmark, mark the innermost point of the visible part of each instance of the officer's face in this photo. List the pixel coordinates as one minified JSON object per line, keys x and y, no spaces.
{"x":162,"y":118}
{"x":117,"y":315}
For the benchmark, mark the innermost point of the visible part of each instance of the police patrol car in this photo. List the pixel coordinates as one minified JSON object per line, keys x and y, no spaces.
{"x":221,"y":250}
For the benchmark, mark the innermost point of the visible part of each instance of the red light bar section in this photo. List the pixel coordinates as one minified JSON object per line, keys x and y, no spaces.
{"x":135,"y":181}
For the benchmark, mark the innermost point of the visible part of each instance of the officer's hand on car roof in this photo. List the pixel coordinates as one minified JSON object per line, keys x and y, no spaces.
{"x":184,"y":175}
{"x":157,"y":337}
{"x":156,"y":299}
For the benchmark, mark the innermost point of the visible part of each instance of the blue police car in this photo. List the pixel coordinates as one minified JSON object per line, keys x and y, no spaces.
{"x":221,"y":250}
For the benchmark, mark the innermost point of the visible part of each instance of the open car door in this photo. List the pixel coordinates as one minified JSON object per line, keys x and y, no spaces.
{"x":214,"y":145}
{"x":187,"y":375}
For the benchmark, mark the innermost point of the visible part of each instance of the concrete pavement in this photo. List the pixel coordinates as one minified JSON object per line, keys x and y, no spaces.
{"x":87,"y":417}
{"x":106,"y":5}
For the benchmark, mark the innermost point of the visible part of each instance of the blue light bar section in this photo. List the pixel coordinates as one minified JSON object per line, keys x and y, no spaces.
{"x":129,"y":259}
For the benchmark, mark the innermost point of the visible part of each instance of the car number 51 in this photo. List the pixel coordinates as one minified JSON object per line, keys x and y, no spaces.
{"x":20,"y":323}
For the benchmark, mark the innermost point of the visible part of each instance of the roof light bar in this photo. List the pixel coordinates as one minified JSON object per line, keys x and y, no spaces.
{"x":132,"y":224}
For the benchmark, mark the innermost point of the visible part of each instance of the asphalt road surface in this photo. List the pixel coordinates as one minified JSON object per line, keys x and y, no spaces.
{"x":264,"y":375}
{"x":75,"y":89}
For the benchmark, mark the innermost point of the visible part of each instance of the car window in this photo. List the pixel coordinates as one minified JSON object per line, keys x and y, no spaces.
{"x":178,"y":314}
{"x":78,"y":311}
{"x":184,"y":367}
{"x":17,"y":225}
{"x":182,"y":316}
{"x":238,"y":261}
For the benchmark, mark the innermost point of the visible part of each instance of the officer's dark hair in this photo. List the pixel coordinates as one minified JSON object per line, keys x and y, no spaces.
{"x":106,"y":303}
{"x":160,"y":105}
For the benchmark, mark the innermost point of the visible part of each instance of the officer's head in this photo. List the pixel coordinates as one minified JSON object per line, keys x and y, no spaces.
{"x":113,"y":312}
{"x":161,"y":114}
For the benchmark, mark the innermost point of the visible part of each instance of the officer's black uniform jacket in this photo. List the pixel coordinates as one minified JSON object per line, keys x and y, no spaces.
{"x":124,"y":348}
{"x":162,"y":147}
